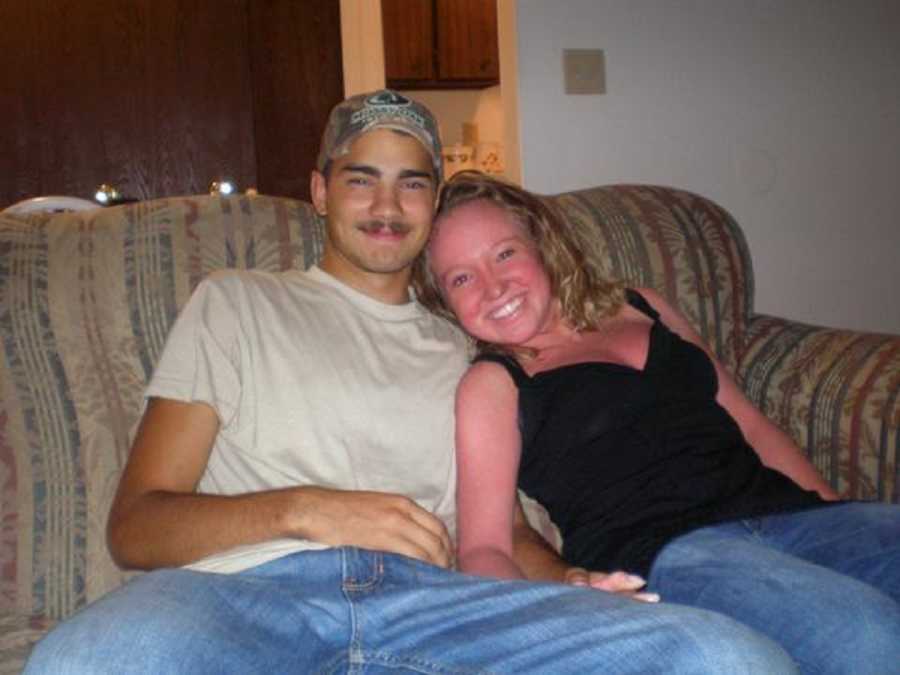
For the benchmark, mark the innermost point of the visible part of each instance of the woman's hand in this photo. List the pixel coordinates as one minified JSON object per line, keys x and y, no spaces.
{"x":612,"y":582}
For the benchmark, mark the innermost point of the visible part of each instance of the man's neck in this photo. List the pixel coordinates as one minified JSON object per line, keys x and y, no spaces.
{"x":389,"y":288}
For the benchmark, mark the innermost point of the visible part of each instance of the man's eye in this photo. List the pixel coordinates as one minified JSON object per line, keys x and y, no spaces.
{"x":358,"y":180}
{"x":416,"y":185}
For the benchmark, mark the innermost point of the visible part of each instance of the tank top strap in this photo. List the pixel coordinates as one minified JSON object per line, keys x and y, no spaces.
{"x":516,"y":372}
{"x":638,"y":301}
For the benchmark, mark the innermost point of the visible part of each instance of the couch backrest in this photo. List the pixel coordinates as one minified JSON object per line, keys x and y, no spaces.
{"x":86,"y":301}
{"x":683,"y":245}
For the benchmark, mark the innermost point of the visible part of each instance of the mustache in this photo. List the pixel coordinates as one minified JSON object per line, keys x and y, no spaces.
{"x":376,"y":225}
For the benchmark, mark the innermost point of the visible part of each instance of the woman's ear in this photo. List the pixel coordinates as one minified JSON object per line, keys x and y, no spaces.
{"x":318,"y":189}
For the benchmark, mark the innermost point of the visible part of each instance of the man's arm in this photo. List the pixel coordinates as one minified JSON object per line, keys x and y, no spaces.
{"x":533,"y":554}
{"x":158,"y":520}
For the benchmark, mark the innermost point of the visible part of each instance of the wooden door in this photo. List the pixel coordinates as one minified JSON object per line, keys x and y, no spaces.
{"x":297,"y":77}
{"x":159,"y":97}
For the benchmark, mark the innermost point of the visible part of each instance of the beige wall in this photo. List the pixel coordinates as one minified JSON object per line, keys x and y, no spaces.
{"x":482,"y":107}
{"x":786,"y":113}
{"x":362,"y":46}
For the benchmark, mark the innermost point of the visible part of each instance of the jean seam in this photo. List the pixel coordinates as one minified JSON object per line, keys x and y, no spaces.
{"x":417,"y":664}
{"x":356,"y":655}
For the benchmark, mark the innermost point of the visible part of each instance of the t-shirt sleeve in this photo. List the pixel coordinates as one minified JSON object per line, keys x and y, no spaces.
{"x":202,"y":356}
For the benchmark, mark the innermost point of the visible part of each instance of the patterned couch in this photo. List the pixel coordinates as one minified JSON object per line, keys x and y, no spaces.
{"x":86,"y":299}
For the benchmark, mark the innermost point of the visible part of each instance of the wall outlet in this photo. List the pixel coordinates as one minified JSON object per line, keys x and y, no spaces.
{"x":584,"y":71}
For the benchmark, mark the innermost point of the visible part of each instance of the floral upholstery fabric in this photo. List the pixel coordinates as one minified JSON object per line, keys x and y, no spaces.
{"x":86,"y":301}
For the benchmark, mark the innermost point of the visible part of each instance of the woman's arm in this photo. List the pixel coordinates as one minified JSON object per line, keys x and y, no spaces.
{"x":488,"y":446}
{"x":775,"y":448}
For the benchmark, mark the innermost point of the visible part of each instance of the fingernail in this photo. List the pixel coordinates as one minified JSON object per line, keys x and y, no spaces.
{"x":647,"y":597}
{"x":636,"y":580}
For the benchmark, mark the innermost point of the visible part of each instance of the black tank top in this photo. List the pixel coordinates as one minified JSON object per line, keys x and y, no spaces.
{"x":625,"y":460}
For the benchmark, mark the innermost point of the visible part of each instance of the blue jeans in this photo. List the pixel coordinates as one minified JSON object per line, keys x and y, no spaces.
{"x":353,"y":611}
{"x":824,"y":583}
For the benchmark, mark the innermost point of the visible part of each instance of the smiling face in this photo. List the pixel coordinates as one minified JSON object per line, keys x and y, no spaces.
{"x":378,"y":201}
{"x":491,"y":275}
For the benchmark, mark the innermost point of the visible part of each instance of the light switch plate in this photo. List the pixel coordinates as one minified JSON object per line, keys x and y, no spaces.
{"x":584,"y":71}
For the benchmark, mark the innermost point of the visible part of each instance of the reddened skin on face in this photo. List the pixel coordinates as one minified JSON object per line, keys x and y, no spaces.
{"x":492,"y":276}
{"x":378,"y":202}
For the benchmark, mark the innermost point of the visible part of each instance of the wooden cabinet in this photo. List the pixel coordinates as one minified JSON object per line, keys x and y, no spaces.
{"x":440,"y":44}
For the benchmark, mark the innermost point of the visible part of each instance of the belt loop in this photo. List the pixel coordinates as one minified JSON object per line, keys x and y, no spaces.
{"x":363,"y":569}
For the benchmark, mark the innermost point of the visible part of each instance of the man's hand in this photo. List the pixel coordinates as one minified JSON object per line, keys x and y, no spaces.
{"x":613,"y":582}
{"x":376,"y":521}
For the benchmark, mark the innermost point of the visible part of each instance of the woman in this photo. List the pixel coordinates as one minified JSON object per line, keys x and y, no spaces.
{"x":604,"y":404}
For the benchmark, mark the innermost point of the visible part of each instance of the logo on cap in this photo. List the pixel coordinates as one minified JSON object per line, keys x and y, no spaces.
{"x":387,"y":97}
{"x":387,"y":104}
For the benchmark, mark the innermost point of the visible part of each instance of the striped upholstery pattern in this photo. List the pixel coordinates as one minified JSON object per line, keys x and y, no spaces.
{"x":86,"y":301}
{"x":837,"y":393}
{"x":684,"y":246}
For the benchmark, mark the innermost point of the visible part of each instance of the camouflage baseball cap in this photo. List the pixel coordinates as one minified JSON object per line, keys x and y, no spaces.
{"x":384,"y":108}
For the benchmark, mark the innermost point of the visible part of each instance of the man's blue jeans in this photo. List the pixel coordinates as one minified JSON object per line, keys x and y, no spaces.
{"x":824,"y":583}
{"x":353,"y":611}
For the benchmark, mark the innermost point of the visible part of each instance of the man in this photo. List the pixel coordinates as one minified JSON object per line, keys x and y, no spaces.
{"x":292,"y":480}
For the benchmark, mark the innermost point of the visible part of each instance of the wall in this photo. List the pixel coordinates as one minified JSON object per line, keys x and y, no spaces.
{"x":455,"y":106}
{"x":786,"y":113}
{"x":362,"y":46}
{"x":508,"y":43}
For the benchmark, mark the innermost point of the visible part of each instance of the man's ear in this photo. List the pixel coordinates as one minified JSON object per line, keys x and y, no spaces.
{"x":318,"y":189}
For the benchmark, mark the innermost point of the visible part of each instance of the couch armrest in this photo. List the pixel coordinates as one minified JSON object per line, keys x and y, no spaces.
{"x":837,"y":392}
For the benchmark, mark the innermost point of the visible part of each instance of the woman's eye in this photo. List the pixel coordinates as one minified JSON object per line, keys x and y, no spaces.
{"x":506,"y":253}
{"x":459,"y":280}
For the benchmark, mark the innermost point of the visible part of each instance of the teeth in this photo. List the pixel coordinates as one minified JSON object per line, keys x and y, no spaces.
{"x":507,"y":309}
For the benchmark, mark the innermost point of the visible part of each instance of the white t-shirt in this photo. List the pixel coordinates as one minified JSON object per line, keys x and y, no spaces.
{"x":315,"y":383}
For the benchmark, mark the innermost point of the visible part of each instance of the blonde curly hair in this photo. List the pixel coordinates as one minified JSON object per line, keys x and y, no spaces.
{"x":586,"y":296}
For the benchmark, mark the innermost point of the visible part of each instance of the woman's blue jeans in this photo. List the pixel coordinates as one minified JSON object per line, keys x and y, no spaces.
{"x":353,"y":611}
{"x":824,"y":583}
